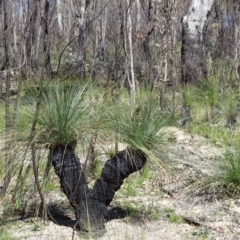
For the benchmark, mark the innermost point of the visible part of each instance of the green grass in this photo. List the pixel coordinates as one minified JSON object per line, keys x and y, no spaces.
{"x":62,"y":115}
{"x":188,"y":96}
{"x":172,"y":216}
{"x":216,"y":134}
{"x":5,"y":234}
{"x":141,"y":213}
{"x":145,"y":175}
{"x":225,"y":183}
{"x":67,"y":115}
{"x":70,"y":113}
{"x":140,"y":127}
{"x":96,"y":168}
{"x":202,"y":232}
{"x":175,"y":218}
{"x":230,"y":170}
{"x":208,"y":91}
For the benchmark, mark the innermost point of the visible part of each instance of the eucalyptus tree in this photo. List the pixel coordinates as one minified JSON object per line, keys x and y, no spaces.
{"x":193,"y":29}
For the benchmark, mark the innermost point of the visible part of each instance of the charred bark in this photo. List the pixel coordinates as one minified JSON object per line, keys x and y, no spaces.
{"x":91,"y":204}
{"x":115,"y":171}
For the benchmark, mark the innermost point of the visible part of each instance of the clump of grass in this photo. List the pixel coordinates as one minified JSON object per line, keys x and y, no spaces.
{"x":5,"y":234}
{"x":129,"y":188}
{"x":141,"y":127}
{"x":187,"y":96}
{"x":64,"y":114}
{"x":172,"y":216}
{"x":202,"y":232}
{"x":175,"y":218}
{"x":231,"y":108}
{"x":231,"y":167}
{"x":96,"y":168}
{"x":145,"y":175}
{"x":225,"y":183}
{"x":141,"y":213}
{"x":216,"y":134}
{"x":207,"y":93}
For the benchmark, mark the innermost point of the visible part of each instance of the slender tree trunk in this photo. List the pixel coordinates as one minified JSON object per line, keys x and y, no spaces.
{"x":31,"y":36}
{"x":236,"y":50}
{"x":146,"y":47}
{"x":91,"y":204}
{"x":129,"y":31}
{"x":46,"y":42}
{"x":193,"y":53}
{"x":103,"y":35}
{"x":8,"y":120}
{"x":59,"y":16}
{"x":138,"y":13}
{"x":81,"y":36}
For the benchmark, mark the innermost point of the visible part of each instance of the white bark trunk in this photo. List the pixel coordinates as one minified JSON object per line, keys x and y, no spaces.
{"x":197,"y":15}
{"x":103,"y":32}
{"x":138,"y":6}
{"x":236,"y":54}
{"x":81,"y":20}
{"x":59,"y":16}
{"x":193,"y":54}
{"x":129,"y":30}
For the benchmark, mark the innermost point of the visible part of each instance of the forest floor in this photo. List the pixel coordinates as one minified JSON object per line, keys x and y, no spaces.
{"x":178,"y":210}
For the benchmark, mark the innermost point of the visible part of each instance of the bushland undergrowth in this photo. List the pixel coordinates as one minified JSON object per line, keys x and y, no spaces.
{"x":215,"y":115}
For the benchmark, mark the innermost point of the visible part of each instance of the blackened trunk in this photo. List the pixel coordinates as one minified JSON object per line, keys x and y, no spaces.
{"x":115,"y":171}
{"x":91,"y":205}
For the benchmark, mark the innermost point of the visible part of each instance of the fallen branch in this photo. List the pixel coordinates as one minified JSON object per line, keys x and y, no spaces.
{"x":198,"y":223}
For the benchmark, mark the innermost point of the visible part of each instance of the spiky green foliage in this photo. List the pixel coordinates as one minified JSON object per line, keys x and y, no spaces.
{"x":216,"y":134}
{"x":231,"y":107}
{"x":225,"y":183}
{"x":187,"y":96}
{"x":64,"y":114}
{"x":140,"y":127}
{"x":64,"y":117}
{"x":231,"y":167}
{"x":208,"y":91}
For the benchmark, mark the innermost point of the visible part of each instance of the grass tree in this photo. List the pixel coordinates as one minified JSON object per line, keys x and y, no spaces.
{"x":65,"y":116}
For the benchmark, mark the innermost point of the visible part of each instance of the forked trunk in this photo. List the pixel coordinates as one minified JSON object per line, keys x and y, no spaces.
{"x":91,"y":204}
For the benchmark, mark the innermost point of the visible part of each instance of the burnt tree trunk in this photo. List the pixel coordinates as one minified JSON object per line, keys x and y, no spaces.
{"x":91,"y":204}
{"x":193,"y":54}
